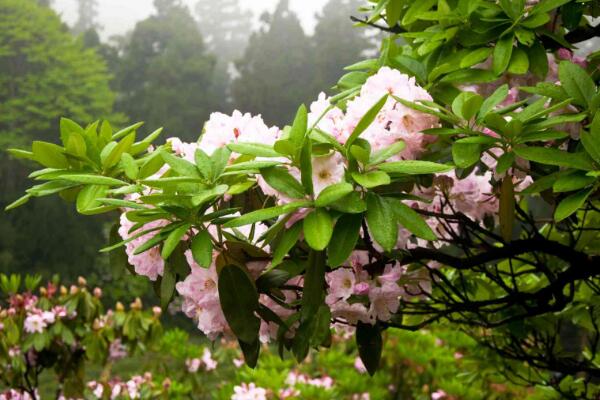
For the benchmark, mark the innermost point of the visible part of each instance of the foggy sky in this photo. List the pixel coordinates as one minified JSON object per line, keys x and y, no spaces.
{"x":116,"y":17}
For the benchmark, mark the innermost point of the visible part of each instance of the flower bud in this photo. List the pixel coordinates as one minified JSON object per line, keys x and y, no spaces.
{"x":81,"y":281}
{"x":119,"y":306}
{"x":137,"y":304}
{"x":63,"y":290}
{"x":166,"y":383}
{"x":97,"y":292}
{"x":157,"y":311}
{"x":43,"y":291}
{"x":73,"y":289}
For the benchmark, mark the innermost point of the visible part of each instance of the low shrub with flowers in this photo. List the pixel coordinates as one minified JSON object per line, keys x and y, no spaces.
{"x":454,"y":178}
{"x":60,"y":331}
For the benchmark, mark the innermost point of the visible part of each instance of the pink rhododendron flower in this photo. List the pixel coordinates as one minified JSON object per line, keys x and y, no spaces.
{"x":221,"y":130}
{"x":248,"y":392}
{"x":209,"y":362}
{"x":34,"y":324}
{"x":359,"y":365}
{"x":385,"y":301}
{"x":193,"y":364}
{"x":149,"y":263}
{"x":438,"y":395}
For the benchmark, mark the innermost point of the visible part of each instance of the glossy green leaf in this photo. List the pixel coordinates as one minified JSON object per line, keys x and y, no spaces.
{"x":202,"y":248}
{"x":318,"y":229}
{"x":239,"y":302}
{"x":381,"y":221}
{"x":346,"y":232}
{"x":333,"y":193}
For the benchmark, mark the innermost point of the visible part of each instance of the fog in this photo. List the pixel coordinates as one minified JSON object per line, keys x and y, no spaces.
{"x":116,"y":17}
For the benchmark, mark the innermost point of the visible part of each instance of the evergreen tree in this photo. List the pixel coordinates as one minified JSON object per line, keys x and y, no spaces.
{"x":87,"y":14}
{"x":225,"y":30}
{"x":45,"y":73}
{"x":276,"y":71}
{"x":165,"y":73}
{"x":336,"y":42}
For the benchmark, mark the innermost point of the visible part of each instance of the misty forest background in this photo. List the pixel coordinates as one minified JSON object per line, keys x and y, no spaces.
{"x":172,"y":70}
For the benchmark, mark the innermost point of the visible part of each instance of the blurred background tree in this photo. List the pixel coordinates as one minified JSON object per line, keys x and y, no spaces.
{"x":45,"y":73}
{"x":276,"y":61}
{"x":165,"y":73}
{"x":171,"y":70}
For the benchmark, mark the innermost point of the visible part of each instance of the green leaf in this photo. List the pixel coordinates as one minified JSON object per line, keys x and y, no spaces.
{"x":239,"y":301}
{"x":555,"y":157}
{"x":288,"y":240}
{"x":370,"y":345}
{"x":87,"y":200}
{"x":577,"y":83}
{"x":130,"y":167}
{"x":67,"y":127}
{"x":350,"y":204}
{"x":371,"y":179}
{"x":318,"y":229}
{"x":411,"y":220}
{"x":281,"y":180}
{"x":366,"y":120}
{"x":466,"y":154}
{"x":572,"y":180}
{"x":167,"y":287}
{"x":382,"y":224}
{"x":253,"y":149}
{"x":466,"y":105}
{"x":266,"y":213}
{"x":414,"y":167}
{"x":173,"y":240}
{"x":251,"y":352}
{"x":393,"y":11}
{"x":219,"y":159}
{"x":547,"y":5}
{"x":591,"y":140}
{"x":502,"y":53}
{"x":346,"y":232}
{"x":571,"y":204}
{"x":203,"y":164}
{"x":115,"y":155}
{"x":538,"y":60}
{"x":127,"y":130}
{"x":202,"y":248}
{"x":180,"y":166}
{"x":333,"y":193}
{"x":387,"y":152}
{"x":475,"y":57}
{"x":19,"y":202}
{"x":49,"y":155}
{"x":416,"y":10}
{"x":299,"y":127}
{"x":93,"y":179}
{"x":519,"y":62}
{"x":313,"y":292}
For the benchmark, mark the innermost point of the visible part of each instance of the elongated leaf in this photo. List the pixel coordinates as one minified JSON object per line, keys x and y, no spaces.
{"x":503,"y":53}
{"x":387,"y":152}
{"x":382,"y":224}
{"x":313,"y":293}
{"x":366,"y":120}
{"x":93,"y":179}
{"x":414,"y":167}
{"x":115,"y":155}
{"x":346,"y":232}
{"x":371,"y":179}
{"x":351,"y":204}
{"x":299,"y":127}
{"x":266,"y":213}
{"x":333,"y":193}
{"x":571,"y":204}
{"x":370,"y":345}
{"x":202,"y":248}
{"x":466,"y":154}
{"x":318,"y":229}
{"x":167,"y":287}
{"x":555,"y":157}
{"x":591,"y":140}
{"x":49,"y":155}
{"x":288,"y":240}
{"x":281,"y":180}
{"x":180,"y":166}
{"x":254,"y":149}
{"x":239,"y":301}
{"x":577,"y":83}
{"x":173,"y":240}
{"x":411,"y":220}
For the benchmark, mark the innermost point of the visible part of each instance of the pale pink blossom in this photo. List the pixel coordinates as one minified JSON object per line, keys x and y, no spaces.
{"x":359,"y":365}
{"x":35,"y":323}
{"x":149,"y":263}
{"x":248,"y":392}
